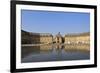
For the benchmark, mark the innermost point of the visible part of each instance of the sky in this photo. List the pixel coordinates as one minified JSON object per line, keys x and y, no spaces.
{"x":54,"y":22}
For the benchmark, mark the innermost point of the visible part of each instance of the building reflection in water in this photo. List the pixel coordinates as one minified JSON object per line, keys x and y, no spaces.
{"x":27,"y":50}
{"x":46,"y":48}
{"x":81,"y":47}
{"x":60,"y":51}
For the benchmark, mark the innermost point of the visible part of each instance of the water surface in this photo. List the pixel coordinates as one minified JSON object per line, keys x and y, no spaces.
{"x":46,"y":53}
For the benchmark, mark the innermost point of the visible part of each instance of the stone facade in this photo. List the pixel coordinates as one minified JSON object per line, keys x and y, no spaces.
{"x":58,"y":38}
{"x":46,"y":38}
{"x":82,"y":38}
{"x":36,"y":38}
{"x":25,"y":37}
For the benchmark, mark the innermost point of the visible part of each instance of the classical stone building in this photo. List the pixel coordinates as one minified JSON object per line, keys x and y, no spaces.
{"x":34,"y":38}
{"x":82,"y":38}
{"x":46,"y":38}
{"x":58,"y":38}
{"x":25,"y":37}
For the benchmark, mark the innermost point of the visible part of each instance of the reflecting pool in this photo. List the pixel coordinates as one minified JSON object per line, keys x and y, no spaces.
{"x":44,"y":53}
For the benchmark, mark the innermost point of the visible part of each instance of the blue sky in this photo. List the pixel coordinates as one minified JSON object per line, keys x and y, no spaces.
{"x":54,"y":22}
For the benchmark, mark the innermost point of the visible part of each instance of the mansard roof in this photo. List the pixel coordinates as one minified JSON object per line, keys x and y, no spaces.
{"x":78,"y":34}
{"x":42,"y":34}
